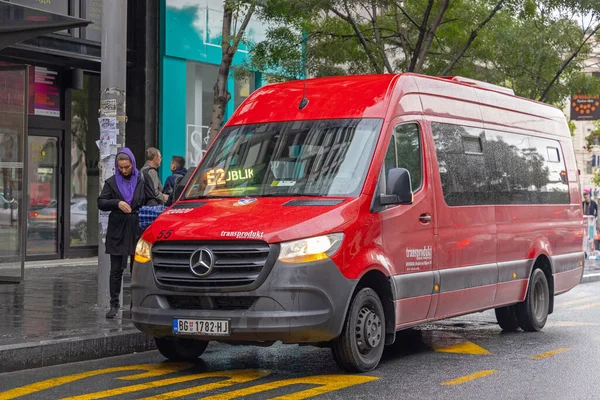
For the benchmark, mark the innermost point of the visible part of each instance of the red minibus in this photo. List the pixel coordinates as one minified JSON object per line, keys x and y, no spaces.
{"x":338,"y":211}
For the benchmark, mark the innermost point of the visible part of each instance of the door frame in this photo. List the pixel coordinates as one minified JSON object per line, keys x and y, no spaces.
{"x":59,"y":134}
{"x":24,"y":192}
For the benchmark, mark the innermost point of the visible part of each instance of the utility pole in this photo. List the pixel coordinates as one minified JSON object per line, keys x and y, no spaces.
{"x":112,"y":117}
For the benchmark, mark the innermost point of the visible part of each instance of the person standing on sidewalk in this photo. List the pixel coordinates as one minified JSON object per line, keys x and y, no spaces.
{"x":150,"y":171}
{"x":178,"y":172}
{"x":123,"y":194}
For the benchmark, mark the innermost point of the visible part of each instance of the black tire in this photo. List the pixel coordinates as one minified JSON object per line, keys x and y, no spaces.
{"x":180,"y":349}
{"x":533,"y":312}
{"x":360,"y":345}
{"x":507,"y":318}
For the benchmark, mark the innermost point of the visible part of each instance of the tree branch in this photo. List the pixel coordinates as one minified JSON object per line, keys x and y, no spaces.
{"x":567,"y":62}
{"x":348,"y":18}
{"x":472,"y":37}
{"x":378,"y":41}
{"x":429,"y":37}
{"x":422,"y":31}
{"x":240,"y":34}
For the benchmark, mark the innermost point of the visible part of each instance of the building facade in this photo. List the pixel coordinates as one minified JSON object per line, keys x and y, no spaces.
{"x":59,"y":183}
{"x":190,"y":54}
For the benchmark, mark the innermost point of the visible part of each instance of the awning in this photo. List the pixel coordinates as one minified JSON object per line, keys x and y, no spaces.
{"x":19,"y":23}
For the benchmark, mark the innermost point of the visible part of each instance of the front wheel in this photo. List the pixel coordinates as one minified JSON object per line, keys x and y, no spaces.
{"x":360,"y":345}
{"x":507,"y":318}
{"x":179,"y":349}
{"x":533,"y":312}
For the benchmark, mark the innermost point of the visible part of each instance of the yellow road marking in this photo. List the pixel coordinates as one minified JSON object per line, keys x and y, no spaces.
{"x":152,"y":370}
{"x":327,"y":383}
{"x":585,"y":306}
{"x":471,"y":377}
{"x":241,"y":376}
{"x":583,"y":300}
{"x":572,"y":323}
{"x":550,"y":353}
{"x":448,"y":342}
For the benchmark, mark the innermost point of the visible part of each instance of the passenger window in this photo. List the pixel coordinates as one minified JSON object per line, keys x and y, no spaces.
{"x":553,"y":154}
{"x":404,"y":151}
{"x":463,"y":164}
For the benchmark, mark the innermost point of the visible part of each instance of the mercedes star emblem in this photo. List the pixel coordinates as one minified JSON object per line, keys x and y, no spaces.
{"x":202,"y":262}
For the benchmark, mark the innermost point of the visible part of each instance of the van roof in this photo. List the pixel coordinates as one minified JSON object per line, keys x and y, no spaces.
{"x":358,"y":96}
{"x":368,"y":96}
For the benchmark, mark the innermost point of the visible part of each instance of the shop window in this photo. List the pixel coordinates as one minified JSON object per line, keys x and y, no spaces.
{"x":200,"y":80}
{"x":84,"y":163}
{"x":93,"y":12}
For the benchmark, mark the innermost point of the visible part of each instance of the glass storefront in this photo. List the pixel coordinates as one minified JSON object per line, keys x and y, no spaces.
{"x":84,"y":163}
{"x":200,"y":81}
{"x":43,"y":179}
{"x":13,"y":131}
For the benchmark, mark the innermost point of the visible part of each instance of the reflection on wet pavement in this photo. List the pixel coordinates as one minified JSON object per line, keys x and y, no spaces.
{"x":55,"y":303}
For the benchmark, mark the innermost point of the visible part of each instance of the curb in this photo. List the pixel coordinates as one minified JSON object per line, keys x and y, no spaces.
{"x":591,"y":277}
{"x":53,"y":352}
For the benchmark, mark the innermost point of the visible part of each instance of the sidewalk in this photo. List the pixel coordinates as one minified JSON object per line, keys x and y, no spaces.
{"x":51,"y":318}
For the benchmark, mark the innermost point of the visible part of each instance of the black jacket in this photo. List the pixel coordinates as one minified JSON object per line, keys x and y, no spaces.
{"x":123,"y":229}
{"x":593,"y":208}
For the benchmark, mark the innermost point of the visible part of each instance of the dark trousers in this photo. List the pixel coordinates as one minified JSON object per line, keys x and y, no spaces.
{"x":117,"y":266}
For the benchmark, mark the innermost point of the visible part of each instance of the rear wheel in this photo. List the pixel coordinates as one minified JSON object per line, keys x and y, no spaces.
{"x":507,"y":318}
{"x":179,"y":349}
{"x":533,"y":312}
{"x":360,"y":346}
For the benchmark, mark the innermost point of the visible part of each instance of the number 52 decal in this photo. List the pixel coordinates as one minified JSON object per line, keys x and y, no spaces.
{"x":164,"y":234}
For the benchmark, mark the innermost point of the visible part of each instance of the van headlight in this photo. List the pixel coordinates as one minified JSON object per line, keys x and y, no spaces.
{"x":143,"y":251}
{"x":310,"y":249}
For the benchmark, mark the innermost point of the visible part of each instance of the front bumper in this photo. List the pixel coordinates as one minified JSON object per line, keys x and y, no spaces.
{"x":297,"y":303}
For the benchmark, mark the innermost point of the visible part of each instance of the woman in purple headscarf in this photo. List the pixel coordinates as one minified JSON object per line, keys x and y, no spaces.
{"x":123,"y":194}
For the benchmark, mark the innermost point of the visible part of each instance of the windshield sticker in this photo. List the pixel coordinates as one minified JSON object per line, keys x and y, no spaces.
{"x":243,"y":235}
{"x":244,"y":202}
{"x":215,"y":177}
{"x":416,"y":258}
{"x":283,"y":183}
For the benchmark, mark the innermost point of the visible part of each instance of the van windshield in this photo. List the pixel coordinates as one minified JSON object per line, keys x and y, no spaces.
{"x":299,"y":158}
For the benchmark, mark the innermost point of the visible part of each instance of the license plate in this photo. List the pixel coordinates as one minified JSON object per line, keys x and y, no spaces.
{"x":209,"y":327}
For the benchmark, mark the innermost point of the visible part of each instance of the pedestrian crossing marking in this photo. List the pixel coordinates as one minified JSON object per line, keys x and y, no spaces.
{"x":152,"y":370}
{"x":578,"y":301}
{"x":234,"y":377}
{"x":550,"y":353}
{"x":448,"y":342}
{"x":586,"y":306}
{"x":326,"y":383}
{"x":468,"y":378}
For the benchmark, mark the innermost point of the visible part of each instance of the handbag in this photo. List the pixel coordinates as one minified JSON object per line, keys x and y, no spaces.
{"x":147,"y":215}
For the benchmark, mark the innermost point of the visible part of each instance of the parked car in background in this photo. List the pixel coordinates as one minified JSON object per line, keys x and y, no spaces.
{"x":42,"y":220}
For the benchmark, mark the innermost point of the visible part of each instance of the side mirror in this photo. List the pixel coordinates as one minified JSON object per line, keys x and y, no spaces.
{"x":399,"y":188}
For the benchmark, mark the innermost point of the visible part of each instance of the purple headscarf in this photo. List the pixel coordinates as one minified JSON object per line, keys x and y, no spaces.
{"x":126,"y":185}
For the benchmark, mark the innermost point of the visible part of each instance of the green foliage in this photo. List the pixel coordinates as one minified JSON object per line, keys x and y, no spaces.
{"x":538,"y":48}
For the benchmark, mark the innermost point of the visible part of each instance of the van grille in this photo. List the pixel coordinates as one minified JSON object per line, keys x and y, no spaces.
{"x":236,"y":264}
{"x":228,"y":303}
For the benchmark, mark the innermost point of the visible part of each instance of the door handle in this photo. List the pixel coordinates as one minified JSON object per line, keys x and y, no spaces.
{"x":425,"y":218}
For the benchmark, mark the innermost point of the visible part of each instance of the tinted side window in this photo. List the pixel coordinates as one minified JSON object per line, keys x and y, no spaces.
{"x":404,"y":151}
{"x":498,"y":167}
{"x":462,"y":164}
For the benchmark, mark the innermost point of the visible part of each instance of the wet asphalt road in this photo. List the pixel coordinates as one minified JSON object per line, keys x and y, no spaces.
{"x":462,"y":358}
